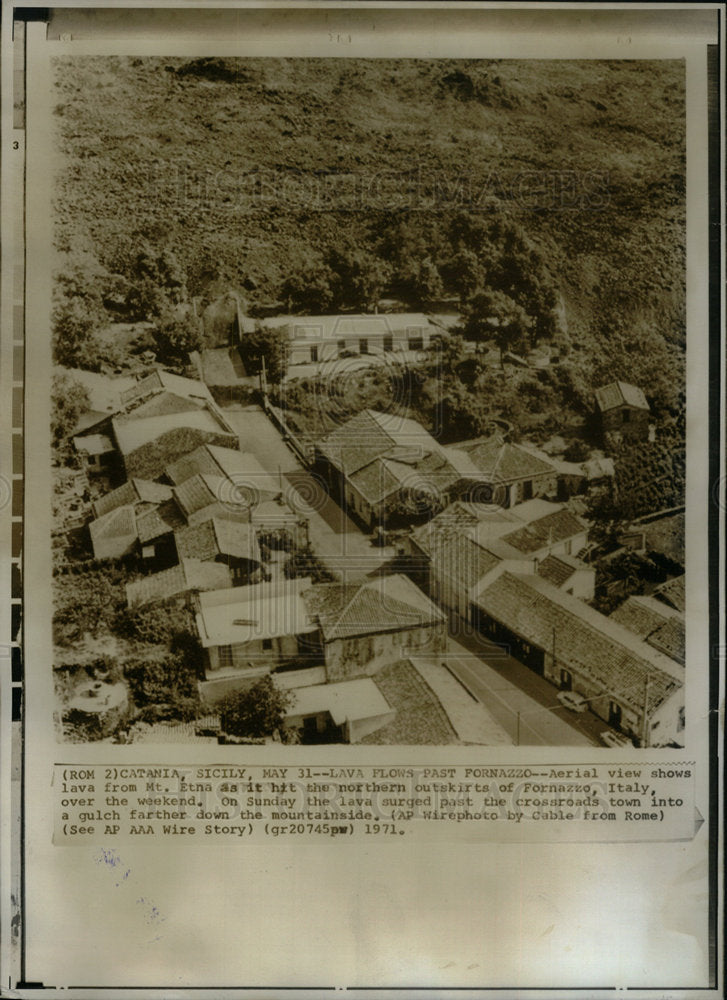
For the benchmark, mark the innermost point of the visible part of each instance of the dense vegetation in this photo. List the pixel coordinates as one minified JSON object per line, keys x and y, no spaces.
{"x":329,"y":183}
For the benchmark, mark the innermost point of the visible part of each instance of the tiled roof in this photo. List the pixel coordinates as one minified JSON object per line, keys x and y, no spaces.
{"x":356,"y":443}
{"x":544,"y":531}
{"x":586,"y":642}
{"x":132,"y":434}
{"x":131,"y":492}
{"x":198,"y":492}
{"x":462,"y":558}
{"x":641,"y":615}
{"x":556,"y":570}
{"x":160,"y":380}
{"x":122,"y":495}
{"x":375,"y":481}
{"x":670,"y":639}
{"x":113,"y":533}
{"x":160,"y":521}
{"x":218,"y":537}
{"x":504,"y":462}
{"x":117,"y":523}
{"x":386,"y":604}
{"x":673,"y":593}
{"x":190,"y":574}
{"x":381,"y":453}
{"x":657,"y":623}
{"x":615,"y":394}
{"x":247,"y":476}
{"x":163,"y":403}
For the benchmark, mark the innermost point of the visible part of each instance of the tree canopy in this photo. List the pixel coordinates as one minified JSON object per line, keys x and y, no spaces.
{"x":256,"y":712}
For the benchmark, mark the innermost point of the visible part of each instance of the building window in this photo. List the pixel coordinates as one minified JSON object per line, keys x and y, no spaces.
{"x":225,"y":656}
{"x":415,"y":343}
{"x":626,"y":416}
{"x":341,"y":346}
{"x":363,"y":346}
{"x":314,"y":353}
{"x":148,"y":551}
{"x":267,"y":644}
{"x":388,"y":342}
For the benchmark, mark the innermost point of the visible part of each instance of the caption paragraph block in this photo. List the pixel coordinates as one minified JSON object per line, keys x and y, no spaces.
{"x":233,"y":804}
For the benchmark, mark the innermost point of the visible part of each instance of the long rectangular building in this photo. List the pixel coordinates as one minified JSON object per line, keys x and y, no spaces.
{"x":629,"y":684}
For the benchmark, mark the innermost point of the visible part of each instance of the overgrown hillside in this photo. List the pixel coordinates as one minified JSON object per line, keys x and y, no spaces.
{"x":251,"y":170}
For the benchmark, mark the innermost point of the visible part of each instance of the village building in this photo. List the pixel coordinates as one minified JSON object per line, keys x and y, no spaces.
{"x":220,"y":540}
{"x":324,"y":338}
{"x":385,"y":467}
{"x":114,"y":535}
{"x":634,"y":687}
{"x":177,"y":584}
{"x":248,"y":632}
{"x":623,"y":410}
{"x":370,"y":623}
{"x":143,"y":494}
{"x":345,"y":711}
{"x":161,"y":418}
{"x":468,"y":545}
{"x":324,"y":632}
{"x":514,"y":474}
{"x":212,"y":482}
{"x":672,"y":593}
{"x":655,"y":622}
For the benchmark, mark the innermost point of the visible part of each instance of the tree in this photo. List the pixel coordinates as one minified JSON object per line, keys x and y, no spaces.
{"x":75,"y":338}
{"x":176,"y":335}
{"x":256,"y":712}
{"x":360,"y":278}
{"x":309,"y":289}
{"x":270,"y":343}
{"x":423,"y":282}
{"x":69,"y":399}
{"x":164,"y":688}
{"x":466,"y":273}
{"x":492,"y":315}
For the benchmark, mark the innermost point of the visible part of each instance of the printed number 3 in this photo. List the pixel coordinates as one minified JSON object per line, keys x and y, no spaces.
{"x":16,"y":144}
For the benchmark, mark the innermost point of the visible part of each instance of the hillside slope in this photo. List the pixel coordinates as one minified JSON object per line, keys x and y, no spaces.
{"x":245,"y":167}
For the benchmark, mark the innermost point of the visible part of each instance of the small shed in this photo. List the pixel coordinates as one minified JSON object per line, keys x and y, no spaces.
{"x":623,"y":410}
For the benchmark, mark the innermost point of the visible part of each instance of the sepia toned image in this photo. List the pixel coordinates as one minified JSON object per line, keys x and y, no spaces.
{"x":368,"y":401}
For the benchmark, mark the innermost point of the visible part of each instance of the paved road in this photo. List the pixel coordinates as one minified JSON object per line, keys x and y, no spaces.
{"x":543,"y":719}
{"x":339,"y":542}
{"x":537,"y":725}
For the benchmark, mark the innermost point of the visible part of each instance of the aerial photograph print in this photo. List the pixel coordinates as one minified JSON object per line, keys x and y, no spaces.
{"x":368,"y":408}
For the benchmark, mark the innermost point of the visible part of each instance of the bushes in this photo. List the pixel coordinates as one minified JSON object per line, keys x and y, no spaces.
{"x":154,"y":623}
{"x":303,"y":563}
{"x":256,"y":712}
{"x":165,"y":688}
{"x":69,"y":399}
{"x":88,"y":601}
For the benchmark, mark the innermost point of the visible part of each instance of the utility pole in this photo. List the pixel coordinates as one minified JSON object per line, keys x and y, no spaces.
{"x":263,"y":379}
{"x":645,"y":721}
{"x":517,"y":731}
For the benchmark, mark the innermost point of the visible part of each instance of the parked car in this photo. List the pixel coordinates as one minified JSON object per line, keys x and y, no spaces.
{"x":572,"y":700}
{"x":616,"y":740}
